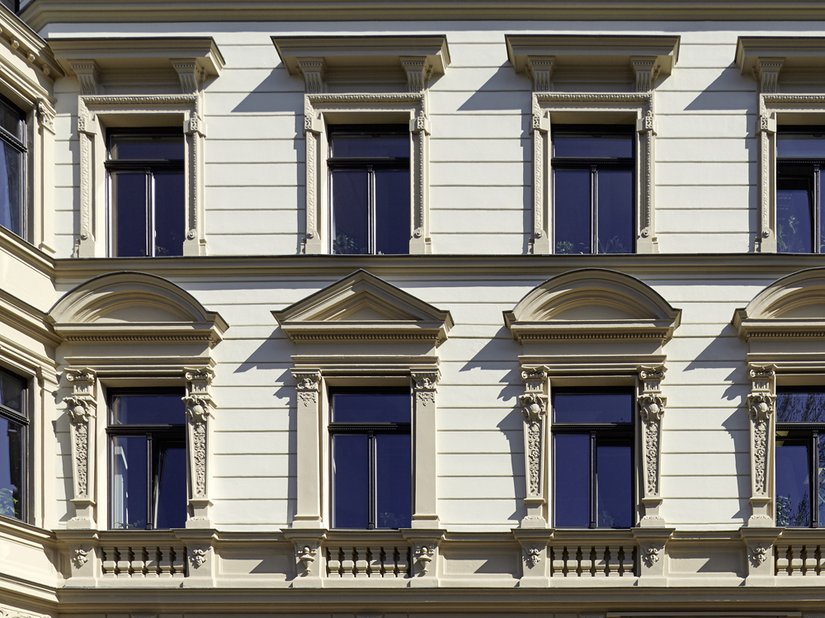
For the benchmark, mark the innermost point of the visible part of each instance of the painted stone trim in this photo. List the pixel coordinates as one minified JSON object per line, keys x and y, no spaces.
{"x":199,"y":408}
{"x":81,"y":408}
{"x":651,"y":404}
{"x":761,"y":404}
{"x":534,"y":406}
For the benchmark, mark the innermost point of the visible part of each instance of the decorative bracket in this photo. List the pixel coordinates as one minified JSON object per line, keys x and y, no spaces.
{"x":651,"y":405}
{"x":533,"y":404}
{"x":88,"y":76}
{"x":761,"y":406}
{"x":766,"y":73}
{"x":199,"y":406}
{"x":81,"y":408}
{"x":313,"y":70}
{"x":645,"y":71}
{"x":417,"y":70}
{"x":540,"y":69}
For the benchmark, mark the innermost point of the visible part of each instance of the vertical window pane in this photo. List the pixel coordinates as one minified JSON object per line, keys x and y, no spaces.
{"x":11,"y":187}
{"x":793,"y":484}
{"x":820,"y":481}
{"x":130,"y":215}
{"x":11,"y":391}
{"x":615,"y":211}
{"x":392,"y":211}
{"x":130,"y":487}
{"x":571,"y":480}
{"x":350,"y":481}
{"x":350,"y":211}
{"x":12,"y":120}
{"x":170,"y":493}
{"x":11,"y":468}
{"x":393,"y":481}
{"x":614,"y":486}
{"x":800,"y":406}
{"x":169,"y":213}
{"x":572,"y":210}
{"x":794,"y":215}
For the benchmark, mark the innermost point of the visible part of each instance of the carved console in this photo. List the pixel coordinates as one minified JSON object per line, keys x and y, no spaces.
{"x":199,"y":407}
{"x":533,"y":404}
{"x":81,"y":408}
{"x":651,"y":404}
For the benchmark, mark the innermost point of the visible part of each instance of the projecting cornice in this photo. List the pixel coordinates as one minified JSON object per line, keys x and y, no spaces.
{"x":765,"y":57}
{"x":192,"y":58}
{"x":542,"y":56}
{"x":40,"y":13}
{"x":21,"y":40}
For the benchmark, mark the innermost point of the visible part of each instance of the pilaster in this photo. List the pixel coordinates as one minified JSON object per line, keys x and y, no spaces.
{"x":81,"y":408}
{"x":761,"y":406}
{"x":308,"y":449}
{"x":425,"y":509}
{"x":651,"y":405}
{"x":533,"y":404}
{"x":199,"y":408}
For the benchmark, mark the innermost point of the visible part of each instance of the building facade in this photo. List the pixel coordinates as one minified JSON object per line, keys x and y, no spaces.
{"x":390,"y":308}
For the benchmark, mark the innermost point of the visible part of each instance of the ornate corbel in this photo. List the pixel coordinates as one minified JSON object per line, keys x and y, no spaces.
{"x":81,"y":409}
{"x":645,"y":71}
{"x":310,"y":559}
{"x":417,"y":71}
{"x":761,"y":406}
{"x":88,"y":76}
{"x":651,"y":405}
{"x":199,"y":406}
{"x":540,"y":69}
{"x":313,"y":70}
{"x":533,"y":404}
{"x":190,"y":74}
{"x":766,"y":73}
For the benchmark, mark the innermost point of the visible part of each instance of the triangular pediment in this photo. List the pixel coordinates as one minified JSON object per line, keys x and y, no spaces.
{"x":362,"y":307}
{"x":592,"y":304}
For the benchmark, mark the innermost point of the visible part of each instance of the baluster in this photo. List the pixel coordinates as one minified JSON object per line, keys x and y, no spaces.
{"x":138,"y":563}
{"x":401,"y":561}
{"x":583,"y":561}
{"x":809,"y":560}
{"x":124,"y":561}
{"x":599,"y":559}
{"x":178,"y":561}
{"x":164,"y":562}
{"x":796,"y":560}
{"x":334,"y":561}
{"x":374,"y":562}
{"x":359,"y":556}
{"x":783,"y":562}
{"x":348,"y":563}
{"x":109,"y":563}
{"x":152,"y":565}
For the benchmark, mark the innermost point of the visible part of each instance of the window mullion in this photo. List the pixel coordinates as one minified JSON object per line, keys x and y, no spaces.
{"x":373,"y":481}
{"x":815,"y":241}
{"x":371,"y":206}
{"x":150,"y":485}
{"x":814,"y":489}
{"x":593,"y":497}
{"x":594,"y":209}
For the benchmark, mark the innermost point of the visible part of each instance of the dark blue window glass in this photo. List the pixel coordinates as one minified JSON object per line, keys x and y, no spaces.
{"x":371,"y":459}
{"x":593,"y":476}
{"x":12,"y":167}
{"x":14,"y":422}
{"x":148,"y":460}
{"x":793,"y":483}
{"x":370,"y":190}
{"x":147,"y":193}
{"x":800,"y":153}
{"x":593,"y":190}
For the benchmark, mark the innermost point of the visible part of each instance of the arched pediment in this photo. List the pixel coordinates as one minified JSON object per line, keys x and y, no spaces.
{"x":362,"y":307}
{"x":133,"y":305}
{"x":793,"y":306}
{"x":592,"y":304}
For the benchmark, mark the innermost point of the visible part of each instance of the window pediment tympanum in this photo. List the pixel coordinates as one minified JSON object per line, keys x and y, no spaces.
{"x":364,"y":308}
{"x":590,"y":305}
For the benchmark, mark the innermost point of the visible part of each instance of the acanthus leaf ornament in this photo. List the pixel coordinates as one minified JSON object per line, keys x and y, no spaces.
{"x":306,"y":556}
{"x":424,"y":555}
{"x":80,"y":556}
{"x":758,"y":554}
{"x":650,"y":555}
{"x":532,"y":556}
{"x":197,"y":557}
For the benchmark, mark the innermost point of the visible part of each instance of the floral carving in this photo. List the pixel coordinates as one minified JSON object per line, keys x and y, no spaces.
{"x":758,"y":554}
{"x":761,"y":406}
{"x":651,"y":555}
{"x":532,"y":556}
{"x":760,"y":456}
{"x":197,"y":557}
{"x":425,"y":380}
{"x":199,"y":458}
{"x":423,"y":557}
{"x":306,"y":556}
{"x":80,"y":557}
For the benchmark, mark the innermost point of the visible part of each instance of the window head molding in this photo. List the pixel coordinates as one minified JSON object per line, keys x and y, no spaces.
{"x":96,"y":61}
{"x":130,"y":307}
{"x":766,"y":58}
{"x":592,"y":305}
{"x":410,"y":59}
{"x":592,"y":328}
{"x":364,"y":308}
{"x":627,"y":69}
{"x":637,"y":58}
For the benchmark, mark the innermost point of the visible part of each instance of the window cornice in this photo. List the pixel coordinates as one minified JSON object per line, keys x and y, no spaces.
{"x":764,"y":57}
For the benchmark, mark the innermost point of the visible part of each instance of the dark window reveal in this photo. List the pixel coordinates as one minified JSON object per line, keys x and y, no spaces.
{"x":370,"y":190}
{"x":800,"y":457}
{"x":12,"y":168}
{"x":800,"y":158}
{"x":147,"y":193}
{"x":593,"y":477}
{"x":593,"y":190}
{"x":14,"y":425}
{"x":147,"y":450}
{"x":371,"y":458}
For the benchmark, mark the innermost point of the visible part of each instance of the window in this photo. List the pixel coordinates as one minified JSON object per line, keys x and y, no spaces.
{"x":147,"y":194}
{"x":13,"y":168}
{"x":593,"y":201}
{"x":369,"y":171}
{"x":593,"y":479}
{"x":371,"y":458}
{"x":147,"y":445}
{"x":14,"y":425}
{"x":800,"y":158}
{"x":800,"y":457}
